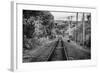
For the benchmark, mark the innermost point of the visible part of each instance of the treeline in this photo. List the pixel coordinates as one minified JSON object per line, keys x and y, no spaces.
{"x":36,"y":25}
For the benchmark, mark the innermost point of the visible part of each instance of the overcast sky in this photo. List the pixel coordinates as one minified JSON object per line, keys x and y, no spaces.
{"x":64,"y":15}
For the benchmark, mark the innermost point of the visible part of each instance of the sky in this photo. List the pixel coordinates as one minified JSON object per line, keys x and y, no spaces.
{"x":64,"y":15}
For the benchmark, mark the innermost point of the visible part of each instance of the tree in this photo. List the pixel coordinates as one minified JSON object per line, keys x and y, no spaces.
{"x":28,"y":27}
{"x":45,"y":19}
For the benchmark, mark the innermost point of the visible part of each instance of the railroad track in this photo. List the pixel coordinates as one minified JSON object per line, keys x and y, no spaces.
{"x":58,"y":52}
{"x":65,"y":50}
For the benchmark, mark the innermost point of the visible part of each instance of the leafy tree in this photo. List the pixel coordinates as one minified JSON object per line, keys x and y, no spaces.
{"x":28,"y":27}
{"x":30,"y":17}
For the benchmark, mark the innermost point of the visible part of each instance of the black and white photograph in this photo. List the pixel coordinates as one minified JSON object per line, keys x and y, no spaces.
{"x":55,"y":35}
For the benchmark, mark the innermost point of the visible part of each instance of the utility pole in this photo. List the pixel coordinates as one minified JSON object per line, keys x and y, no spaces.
{"x":76,"y":26}
{"x":70,"y":23}
{"x":83,"y":24}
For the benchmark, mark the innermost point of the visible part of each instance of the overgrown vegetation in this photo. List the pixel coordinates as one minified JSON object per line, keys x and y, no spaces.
{"x":83,"y":36}
{"x":37,"y":25}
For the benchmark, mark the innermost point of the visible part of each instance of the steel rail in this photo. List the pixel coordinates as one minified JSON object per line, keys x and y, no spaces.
{"x":52,"y":51}
{"x":65,"y":50}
